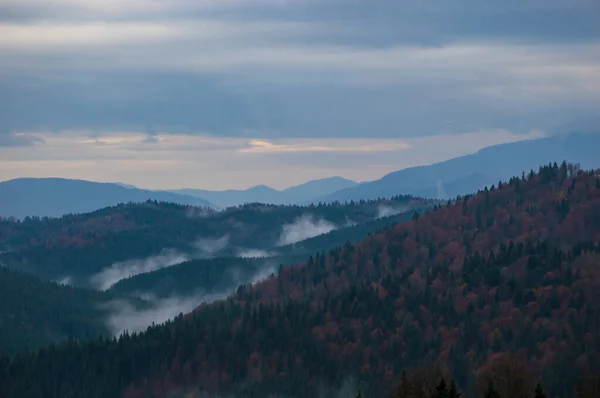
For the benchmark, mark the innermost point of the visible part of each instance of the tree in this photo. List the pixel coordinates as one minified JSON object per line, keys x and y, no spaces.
{"x":539,"y":393}
{"x":441,"y":390}
{"x":490,"y":391}
{"x":359,"y":394}
{"x":403,"y":388}
{"x":452,"y":391}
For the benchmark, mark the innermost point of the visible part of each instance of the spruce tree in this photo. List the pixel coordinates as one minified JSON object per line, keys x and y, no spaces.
{"x":539,"y":393}
{"x":452,"y":391}
{"x":403,"y":389}
{"x":441,"y":390}
{"x":490,"y":391}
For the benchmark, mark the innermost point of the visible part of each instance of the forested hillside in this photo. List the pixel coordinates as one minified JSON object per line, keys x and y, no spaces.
{"x":34,"y":312}
{"x":80,"y":246}
{"x":514,"y":270}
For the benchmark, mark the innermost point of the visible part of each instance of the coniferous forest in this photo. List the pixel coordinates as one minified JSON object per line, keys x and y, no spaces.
{"x":493,"y":295}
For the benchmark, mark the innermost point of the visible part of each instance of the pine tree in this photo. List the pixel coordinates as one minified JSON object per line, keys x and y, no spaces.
{"x":490,"y":391}
{"x":359,"y":394}
{"x":452,"y":391}
{"x":539,"y":393}
{"x":403,"y":388}
{"x":441,"y":390}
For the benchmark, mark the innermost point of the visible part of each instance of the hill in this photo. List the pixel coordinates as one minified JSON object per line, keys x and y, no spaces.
{"x":35,"y":313}
{"x":143,"y":237}
{"x":225,"y":274}
{"x":263,"y":194}
{"x":54,"y":197}
{"x":513,"y":269}
{"x":467,"y":174}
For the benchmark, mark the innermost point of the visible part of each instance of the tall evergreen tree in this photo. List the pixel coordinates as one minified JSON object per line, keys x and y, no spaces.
{"x":452,"y":391}
{"x":539,"y":393}
{"x":490,"y":391}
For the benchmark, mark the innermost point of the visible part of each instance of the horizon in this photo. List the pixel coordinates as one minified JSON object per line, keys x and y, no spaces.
{"x":238,"y":93}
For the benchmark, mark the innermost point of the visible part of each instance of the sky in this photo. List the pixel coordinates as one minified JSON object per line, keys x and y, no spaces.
{"x":220,"y":94}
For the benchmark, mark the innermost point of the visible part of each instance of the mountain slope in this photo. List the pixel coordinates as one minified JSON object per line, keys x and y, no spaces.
{"x":35,"y":313}
{"x":513,"y":269}
{"x":262,"y":194}
{"x":54,"y":197}
{"x":153,"y":234}
{"x":469,"y":173}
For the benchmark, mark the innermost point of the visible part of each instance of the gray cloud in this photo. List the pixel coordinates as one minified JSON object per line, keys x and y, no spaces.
{"x":17,"y":140}
{"x":272,"y":69}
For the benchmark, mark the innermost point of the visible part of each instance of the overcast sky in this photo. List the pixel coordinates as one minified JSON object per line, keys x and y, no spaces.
{"x":233,"y":93}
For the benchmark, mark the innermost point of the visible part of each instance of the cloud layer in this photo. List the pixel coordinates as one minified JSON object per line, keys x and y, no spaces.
{"x":290,"y":79}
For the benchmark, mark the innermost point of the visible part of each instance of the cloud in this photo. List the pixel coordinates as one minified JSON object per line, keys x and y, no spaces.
{"x":357,"y":145}
{"x":175,"y":161}
{"x":19,"y":139}
{"x":304,"y":227}
{"x":118,"y":271}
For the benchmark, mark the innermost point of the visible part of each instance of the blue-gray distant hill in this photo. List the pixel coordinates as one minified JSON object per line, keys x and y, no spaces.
{"x":55,"y":197}
{"x":467,"y":174}
{"x":264,"y":194}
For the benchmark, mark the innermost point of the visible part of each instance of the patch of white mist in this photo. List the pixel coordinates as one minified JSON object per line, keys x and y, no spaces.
{"x":209,"y":247}
{"x":304,"y":227}
{"x":123,"y":316}
{"x":122,"y":270}
{"x":65,"y":280}
{"x":386,"y":211}
{"x":441,"y":192}
{"x":254,"y":253}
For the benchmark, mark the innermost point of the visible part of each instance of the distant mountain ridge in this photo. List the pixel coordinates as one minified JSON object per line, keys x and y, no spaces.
{"x":54,"y":197}
{"x":469,"y":173}
{"x":264,"y":194}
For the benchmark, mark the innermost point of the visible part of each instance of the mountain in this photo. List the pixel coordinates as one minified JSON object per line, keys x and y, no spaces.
{"x":154,"y":235}
{"x":469,"y":173}
{"x":264,"y":194}
{"x":510,"y":270}
{"x":54,"y":197}
{"x":34,"y":312}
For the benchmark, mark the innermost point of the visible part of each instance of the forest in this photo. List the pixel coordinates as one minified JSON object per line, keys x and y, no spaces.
{"x":82,"y":245}
{"x":35,"y":312}
{"x":492,"y":295}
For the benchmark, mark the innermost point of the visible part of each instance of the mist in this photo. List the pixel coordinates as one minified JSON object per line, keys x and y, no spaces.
{"x":65,"y":280}
{"x":386,"y":211}
{"x":123,"y":316}
{"x":304,"y":227}
{"x":254,"y":253}
{"x":209,"y":247}
{"x":441,"y":192}
{"x":111,"y":275}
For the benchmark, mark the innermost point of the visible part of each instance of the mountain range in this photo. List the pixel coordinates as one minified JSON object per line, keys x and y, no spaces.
{"x":494,"y":287}
{"x":264,"y":194}
{"x":54,"y":197}
{"x":467,"y":174}
{"x":444,"y":180}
